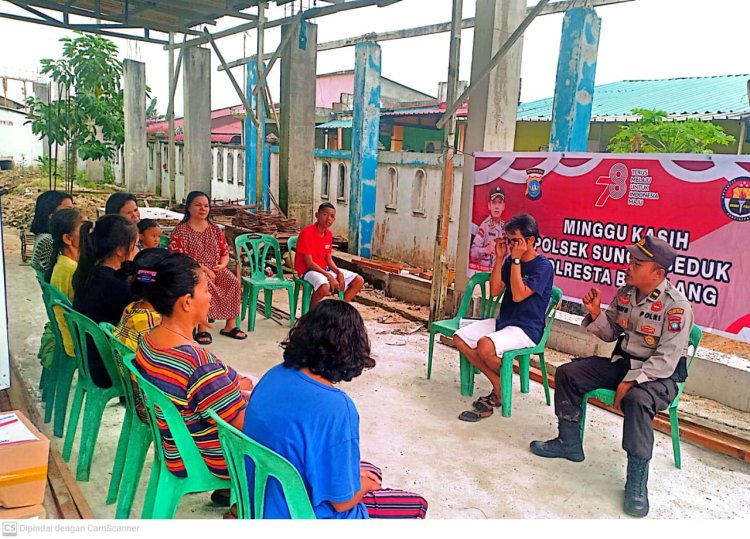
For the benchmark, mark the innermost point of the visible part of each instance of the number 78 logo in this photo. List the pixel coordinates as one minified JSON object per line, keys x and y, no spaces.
{"x":615,"y":185}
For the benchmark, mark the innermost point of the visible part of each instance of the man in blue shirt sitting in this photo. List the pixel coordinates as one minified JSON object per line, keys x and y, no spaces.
{"x":526,"y":278}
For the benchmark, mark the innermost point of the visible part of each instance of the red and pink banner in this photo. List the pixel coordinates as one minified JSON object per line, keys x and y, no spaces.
{"x":590,"y":206}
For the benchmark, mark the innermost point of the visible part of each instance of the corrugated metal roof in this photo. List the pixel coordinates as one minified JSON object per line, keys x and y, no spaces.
{"x":335,"y":124}
{"x":719,"y":97}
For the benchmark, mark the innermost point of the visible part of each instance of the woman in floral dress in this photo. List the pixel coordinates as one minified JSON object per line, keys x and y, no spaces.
{"x":204,"y":241}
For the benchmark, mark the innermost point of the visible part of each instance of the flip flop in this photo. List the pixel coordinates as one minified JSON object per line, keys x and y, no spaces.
{"x":487,"y":400}
{"x":203,"y":337}
{"x":472,"y":416}
{"x":233,"y":333}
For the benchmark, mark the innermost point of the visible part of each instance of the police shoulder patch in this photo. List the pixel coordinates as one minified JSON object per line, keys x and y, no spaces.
{"x":675,"y":312}
{"x":674,"y":324}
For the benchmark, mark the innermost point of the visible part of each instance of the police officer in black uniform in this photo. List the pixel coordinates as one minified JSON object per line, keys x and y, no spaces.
{"x":651,"y":321}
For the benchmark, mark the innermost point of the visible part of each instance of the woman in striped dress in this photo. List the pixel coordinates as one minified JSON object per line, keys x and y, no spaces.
{"x":201,"y":239}
{"x":191,"y":377}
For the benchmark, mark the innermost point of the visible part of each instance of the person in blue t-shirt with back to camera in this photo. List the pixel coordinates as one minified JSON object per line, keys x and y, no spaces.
{"x":297,"y":411}
{"x":526,"y":278}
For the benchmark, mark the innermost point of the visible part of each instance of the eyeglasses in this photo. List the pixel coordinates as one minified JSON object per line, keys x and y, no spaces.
{"x":515,"y":241}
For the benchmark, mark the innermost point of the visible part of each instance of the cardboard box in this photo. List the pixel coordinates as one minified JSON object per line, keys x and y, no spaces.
{"x":23,"y":464}
{"x":32,"y":511}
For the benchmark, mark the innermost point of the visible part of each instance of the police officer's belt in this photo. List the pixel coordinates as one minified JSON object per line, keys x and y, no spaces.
{"x":679,"y":375}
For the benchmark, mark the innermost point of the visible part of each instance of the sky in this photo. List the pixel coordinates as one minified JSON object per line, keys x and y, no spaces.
{"x":642,"y":39}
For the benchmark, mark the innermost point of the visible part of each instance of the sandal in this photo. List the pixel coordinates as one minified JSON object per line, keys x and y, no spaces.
{"x":233,"y":333}
{"x":472,"y":416}
{"x":488,"y":400}
{"x":221,"y":497}
{"x":203,"y":337}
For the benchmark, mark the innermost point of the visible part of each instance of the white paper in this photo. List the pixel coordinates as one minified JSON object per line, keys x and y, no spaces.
{"x":13,"y":430}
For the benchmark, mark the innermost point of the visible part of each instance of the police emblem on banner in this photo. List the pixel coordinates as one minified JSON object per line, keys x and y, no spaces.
{"x":534,"y":183}
{"x":735,"y":199}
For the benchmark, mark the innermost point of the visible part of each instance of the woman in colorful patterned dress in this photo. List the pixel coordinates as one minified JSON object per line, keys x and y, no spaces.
{"x":191,"y":377}
{"x":204,"y":241}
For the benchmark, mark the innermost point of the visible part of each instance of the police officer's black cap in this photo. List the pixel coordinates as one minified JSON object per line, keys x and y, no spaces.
{"x":653,"y":249}
{"x":497,"y":192}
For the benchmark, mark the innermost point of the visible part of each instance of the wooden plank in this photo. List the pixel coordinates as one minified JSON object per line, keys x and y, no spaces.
{"x":389,"y":267}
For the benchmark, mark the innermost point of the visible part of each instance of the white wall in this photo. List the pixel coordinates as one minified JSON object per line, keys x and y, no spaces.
{"x":16,"y":139}
{"x":224,"y":188}
{"x":402,"y":233}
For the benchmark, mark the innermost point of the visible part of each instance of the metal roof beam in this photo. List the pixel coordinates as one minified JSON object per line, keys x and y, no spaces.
{"x":59,"y":24}
{"x":307,"y":14}
{"x":441,"y":28}
{"x":119,"y":17}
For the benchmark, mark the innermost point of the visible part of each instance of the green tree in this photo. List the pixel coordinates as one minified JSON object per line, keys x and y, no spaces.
{"x":88,"y":116}
{"x":653,"y":133}
{"x":151,"y":112}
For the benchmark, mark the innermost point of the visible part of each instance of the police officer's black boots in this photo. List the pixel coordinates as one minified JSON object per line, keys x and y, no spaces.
{"x":567,"y":445}
{"x":636,"y":487}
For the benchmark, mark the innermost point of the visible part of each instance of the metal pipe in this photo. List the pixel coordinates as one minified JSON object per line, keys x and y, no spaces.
{"x":240,"y":93}
{"x":170,"y":117}
{"x":439,"y":289}
{"x":743,"y":134}
{"x":515,"y":36}
{"x":275,"y":56}
{"x":260,"y":111}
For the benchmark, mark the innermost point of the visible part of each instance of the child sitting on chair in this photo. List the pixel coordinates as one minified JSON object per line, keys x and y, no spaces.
{"x":314,"y":261}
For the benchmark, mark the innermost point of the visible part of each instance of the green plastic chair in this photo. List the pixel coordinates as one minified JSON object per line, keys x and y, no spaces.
{"x":490,"y":305}
{"x":47,"y":380}
{"x":301,"y":284}
{"x":164,"y":242}
{"x":255,"y":247}
{"x":607,"y":396}
{"x":82,"y":329}
{"x":524,"y":360}
{"x":57,"y":382}
{"x":135,"y":437}
{"x":238,"y":448}
{"x":165,"y":489}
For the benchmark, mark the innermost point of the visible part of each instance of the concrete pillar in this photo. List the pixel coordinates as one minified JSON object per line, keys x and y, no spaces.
{"x":365,"y":137}
{"x":136,"y":152}
{"x":43,"y":93}
{"x":574,"y":87}
{"x":297,"y":136}
{"x":196,"y":80}
{"x":95,"y":169}
{"x":493,"y":106}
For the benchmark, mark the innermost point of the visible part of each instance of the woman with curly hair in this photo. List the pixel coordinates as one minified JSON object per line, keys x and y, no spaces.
{"x":298,"y":412}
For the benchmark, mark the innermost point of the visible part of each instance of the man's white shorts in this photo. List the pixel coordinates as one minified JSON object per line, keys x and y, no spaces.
{"x":318,"y":279}
{"x":509,"y":338}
